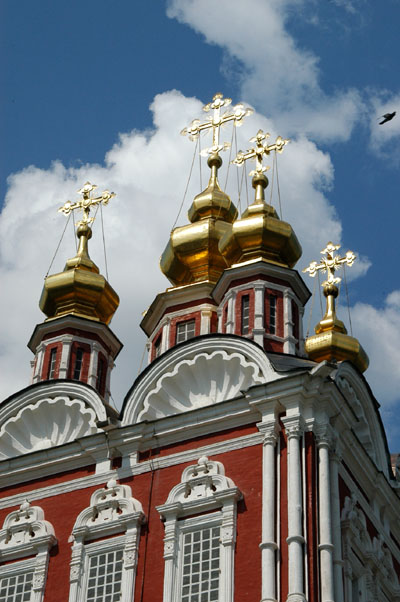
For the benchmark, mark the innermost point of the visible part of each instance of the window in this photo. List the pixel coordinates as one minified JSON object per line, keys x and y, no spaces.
{"x":25,"y":538}
{"x":101,"y":375}
{"x":272,"y":314}
{"x":104,"y":553}
{"x":200,"y":534}
{"x":200,"y":569}
{"x":245,"y":315}
{"x":78,"y":364}
{"x":16,"y":588}
{"x":157,"y":347}
{"x":185,"y":330}
{"x":52,"y":363}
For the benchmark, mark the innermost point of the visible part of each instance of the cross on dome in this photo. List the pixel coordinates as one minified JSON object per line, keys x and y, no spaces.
{"x":215,"y":121}
{"x":261,"y":148}
{"x":330,"y":263}
{"x":86,"y":203}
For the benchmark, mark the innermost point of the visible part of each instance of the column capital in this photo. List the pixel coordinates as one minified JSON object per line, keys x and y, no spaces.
{"x":294,"y":426}
{"x":270,"y":430}
{"x":324,"y":435}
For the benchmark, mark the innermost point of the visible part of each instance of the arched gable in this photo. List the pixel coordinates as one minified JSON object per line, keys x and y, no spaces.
{"x":46,"y":415}
{"x":198,"y":373}
{"x":367,"y":425}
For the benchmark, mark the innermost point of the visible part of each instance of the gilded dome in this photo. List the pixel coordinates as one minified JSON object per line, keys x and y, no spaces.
{"x":260,"y":234}
{"x":192,"y":253}
{"x":331,"y":341}
{"x":80,"y":289}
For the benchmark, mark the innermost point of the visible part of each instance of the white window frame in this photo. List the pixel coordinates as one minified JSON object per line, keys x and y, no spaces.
{"x":25,"y":533}
{"x":204,"y":488}
{"x":182,"y":330}
{"x":112,"y":511}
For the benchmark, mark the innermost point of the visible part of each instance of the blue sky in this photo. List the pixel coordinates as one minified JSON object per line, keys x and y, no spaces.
{"x":99,"y":90}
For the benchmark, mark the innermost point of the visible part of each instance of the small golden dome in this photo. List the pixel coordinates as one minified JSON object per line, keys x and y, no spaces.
{"x":80,"y":289}
{"x":260,"y":234}
{"x":331,"y":341}
{"x":192,"y":253}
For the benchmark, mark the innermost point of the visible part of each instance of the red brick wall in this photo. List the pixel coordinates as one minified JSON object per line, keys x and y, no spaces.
{"x":195,"y":315}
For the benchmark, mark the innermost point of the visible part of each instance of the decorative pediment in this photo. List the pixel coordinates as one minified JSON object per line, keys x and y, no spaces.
{"x":366,"y":426}
{"x":203,"y":373}
{"x":47,"y":415}
{"x":47,"y":423}
{"x":25,"y":532}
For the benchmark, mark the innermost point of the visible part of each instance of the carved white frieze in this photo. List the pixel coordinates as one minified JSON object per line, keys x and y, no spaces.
{"x":46,"y":423}
{"x":25,"y":529}
{"x":223,"y":376}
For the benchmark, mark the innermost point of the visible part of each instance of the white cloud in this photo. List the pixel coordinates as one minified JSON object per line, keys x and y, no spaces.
{"x":277,"y":76}
{"x":385,"y":139}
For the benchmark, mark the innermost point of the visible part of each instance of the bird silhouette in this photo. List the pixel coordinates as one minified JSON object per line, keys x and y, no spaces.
{"x":387,"y":117}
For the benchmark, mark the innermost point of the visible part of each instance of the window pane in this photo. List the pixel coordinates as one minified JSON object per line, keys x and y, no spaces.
{"x":52,"y":363}
{"x":105,"y":570}
{"x":78,"y":363}
{"x":245,"y":314}
{"x":185,"y":330}
{"x":17,"y":588}
{"x":201,"y":580}
{"x":272,"y":314}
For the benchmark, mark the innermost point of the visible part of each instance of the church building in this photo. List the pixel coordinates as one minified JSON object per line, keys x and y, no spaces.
{"x":248,"y":463}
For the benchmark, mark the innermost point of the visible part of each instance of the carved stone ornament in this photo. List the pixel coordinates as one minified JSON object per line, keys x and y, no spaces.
{"x":25,"y":532}
{"x":224,"y":376}
{"x":46,"y":423}
{"x":112,"y":509}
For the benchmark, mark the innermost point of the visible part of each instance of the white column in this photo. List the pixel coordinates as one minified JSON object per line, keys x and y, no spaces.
{"x":336,"y":526}
{"x":289,"y":344}
{"x":325,"y":524}
{"x":268,"y":543}
{"x":259,"y":330}
{"x":230,"y":322}
{"x":39,"y":362}
{"x":205,"y":321}
{"x":169,"y":556}
{"x":295,"y":540}
{"x":165,"y":335}
{"x":93,"y":365}
{"x":65,"y":355}
{"x":301,"y":330}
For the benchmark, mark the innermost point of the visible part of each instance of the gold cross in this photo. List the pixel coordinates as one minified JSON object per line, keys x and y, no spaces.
{"x":330,"y":263}
{"x":215,"y":122}
{"x":87,"y":202}
{"x":261,"y":148}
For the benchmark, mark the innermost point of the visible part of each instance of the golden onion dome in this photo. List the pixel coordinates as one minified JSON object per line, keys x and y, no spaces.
{"x":331,"y":341}
{"x":260,"y":234}
{"x":80,"y":289}
{"x":192,"y":253}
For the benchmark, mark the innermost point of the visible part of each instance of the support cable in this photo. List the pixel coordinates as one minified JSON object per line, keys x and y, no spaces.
{"x":58,"y":246}
{"x":201,"y":177}
{"x":104,"y":240}
{"x":187,"y":184}
{"x":347,"y":297}
{"x":277,"y":183}
{"x":311,"y":309}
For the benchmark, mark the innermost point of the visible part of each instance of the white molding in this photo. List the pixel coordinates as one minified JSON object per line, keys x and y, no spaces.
{"x":135,"y":469}
{"x":203,"y":488}
{"x":167,"y":363}
{"x":49,"y":422}
{"x":25,"y":533}
{"x":112,"y":511}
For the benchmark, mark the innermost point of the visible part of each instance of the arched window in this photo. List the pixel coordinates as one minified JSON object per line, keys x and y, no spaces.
{"x":104,"y":553}
{"x":200,"y":535}
{"x":25,"y":538}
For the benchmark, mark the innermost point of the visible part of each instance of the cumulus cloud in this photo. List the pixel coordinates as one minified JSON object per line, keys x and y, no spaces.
{"x":385,"y":139}
{"x":277,"y":76}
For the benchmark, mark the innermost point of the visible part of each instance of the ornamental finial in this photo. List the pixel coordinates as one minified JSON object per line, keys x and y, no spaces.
{"x":215,"y":121}
{"x":261,"y":148}
{"x":330,"y":264}
{"x":86,"y":203}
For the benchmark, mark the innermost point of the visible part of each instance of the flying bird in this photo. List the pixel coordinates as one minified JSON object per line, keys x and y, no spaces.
{"x":387,"y":117}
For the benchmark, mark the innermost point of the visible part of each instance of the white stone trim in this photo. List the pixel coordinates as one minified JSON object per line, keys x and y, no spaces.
{"x":203,"y":488}
{"x":112,"y":511}
{"x":26,"y":533}
{"x":294,"y":429}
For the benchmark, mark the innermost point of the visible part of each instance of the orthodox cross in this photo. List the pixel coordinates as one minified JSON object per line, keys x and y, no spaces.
{"x":87,"y":202}
{"x":261,"y":148}
{"x":330,"y":263}
{"x":216,"y":120}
